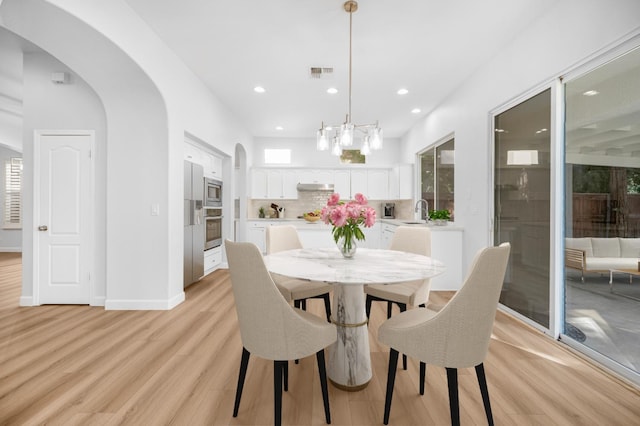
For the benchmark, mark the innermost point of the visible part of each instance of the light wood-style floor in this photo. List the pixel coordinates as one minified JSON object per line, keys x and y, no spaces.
{"x":81,"y":365}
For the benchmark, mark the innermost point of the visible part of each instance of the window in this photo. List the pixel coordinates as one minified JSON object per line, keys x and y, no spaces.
{"x":277,"y":156}
{"x":13,"y":193}
{"x":437,"y":176}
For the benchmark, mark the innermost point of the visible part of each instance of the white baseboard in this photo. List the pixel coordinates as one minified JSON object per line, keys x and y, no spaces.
{"x":11,"y":249}
{"x":26,"y":301}
{"x":98,"y":301}
{"x":144,"y":305}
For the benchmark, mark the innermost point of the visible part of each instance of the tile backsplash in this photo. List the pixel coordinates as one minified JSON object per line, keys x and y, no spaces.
{"x":315,"y":200}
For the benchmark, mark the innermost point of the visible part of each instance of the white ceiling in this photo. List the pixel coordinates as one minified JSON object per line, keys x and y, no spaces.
{"x":428,"y":47}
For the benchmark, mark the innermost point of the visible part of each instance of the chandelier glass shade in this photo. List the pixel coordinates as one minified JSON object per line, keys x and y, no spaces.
{"x":347,"y":131}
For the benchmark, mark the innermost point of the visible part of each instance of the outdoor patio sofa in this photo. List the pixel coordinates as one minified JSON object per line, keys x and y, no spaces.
{"x":602,"y":254}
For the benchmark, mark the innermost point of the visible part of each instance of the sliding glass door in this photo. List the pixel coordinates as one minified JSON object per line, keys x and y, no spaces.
{"x":602,"y":205}
{"x":522,"y":204}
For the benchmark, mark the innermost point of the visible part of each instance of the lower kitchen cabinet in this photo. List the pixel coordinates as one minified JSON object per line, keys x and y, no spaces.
{"x":212,"y":259}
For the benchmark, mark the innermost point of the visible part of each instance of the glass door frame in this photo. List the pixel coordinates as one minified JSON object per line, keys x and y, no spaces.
{"x":556,"y":201}
{"x":589,"y":64}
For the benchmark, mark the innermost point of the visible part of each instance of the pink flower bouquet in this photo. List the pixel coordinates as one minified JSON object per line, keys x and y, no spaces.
{"x":346,"y":218}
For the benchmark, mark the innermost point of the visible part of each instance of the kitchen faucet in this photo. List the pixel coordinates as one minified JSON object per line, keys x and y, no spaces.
{"x":426,"y":208}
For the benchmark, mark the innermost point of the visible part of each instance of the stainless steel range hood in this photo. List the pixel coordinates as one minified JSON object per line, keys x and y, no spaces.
{"x":315,"y":187}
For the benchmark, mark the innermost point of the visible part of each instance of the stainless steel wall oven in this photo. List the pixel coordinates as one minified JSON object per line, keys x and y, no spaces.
{"x":212,"y":227}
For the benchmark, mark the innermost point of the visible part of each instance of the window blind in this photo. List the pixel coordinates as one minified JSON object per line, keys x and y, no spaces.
{"x":13,"y":193}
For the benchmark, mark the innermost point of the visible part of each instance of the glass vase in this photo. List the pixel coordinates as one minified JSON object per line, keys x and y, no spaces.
{"x":347,"y":246}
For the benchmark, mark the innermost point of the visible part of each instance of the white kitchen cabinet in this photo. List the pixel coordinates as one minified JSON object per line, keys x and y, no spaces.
{"x":212,"y":166}
{"x":377,"y":184}
{"x":192,"y":154}
{"x":290,"y":184}
{"x":259,"y":184}
{"x":359,"y":183}
{"x":275,"y":184}
{"x":315,"y":176}
{"x":401,"y":182}
{"x":342,"y":183}
{"x":256,"y":234}
{"x":316,"y":237}
{"x":386,"y":234}
{"x":212,"y":259}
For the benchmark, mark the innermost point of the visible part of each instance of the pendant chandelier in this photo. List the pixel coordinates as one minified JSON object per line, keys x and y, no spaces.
{"x":343,"y":134}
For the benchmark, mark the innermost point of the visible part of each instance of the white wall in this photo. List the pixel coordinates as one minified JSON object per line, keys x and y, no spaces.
{"x":10,"y":239}
{"x":150,"y":99}
{"x":10,"y":92}
{"x":304,"y":153}
{"x":570,"y":32}
{"x":62,"y":106}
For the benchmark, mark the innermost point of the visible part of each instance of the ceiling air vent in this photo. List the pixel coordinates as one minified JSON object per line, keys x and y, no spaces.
{"x":320,"y":72}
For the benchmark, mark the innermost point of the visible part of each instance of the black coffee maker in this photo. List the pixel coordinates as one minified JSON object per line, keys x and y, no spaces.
{"x":388,"y":210}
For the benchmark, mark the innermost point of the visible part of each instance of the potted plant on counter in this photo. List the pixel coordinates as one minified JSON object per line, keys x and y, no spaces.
{"x":439,"y":217}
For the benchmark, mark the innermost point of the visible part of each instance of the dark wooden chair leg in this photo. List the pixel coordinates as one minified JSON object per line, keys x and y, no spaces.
{"x":454,"y":405}
{"x":389,"y":308}
{"x":304,"y":304}
{"x":368,"y":306}
{"x":285,"y":375}
{"x":244,"y":361}
{"x":296,"y":303}
{"x":482,"y":381}
{"x":423,"y":375}
{"x":327,"y":306}
{"x":322,"y":371}
{"x":278,"y":369}
{"x":403,"y":307}
{"x":391,"y":378}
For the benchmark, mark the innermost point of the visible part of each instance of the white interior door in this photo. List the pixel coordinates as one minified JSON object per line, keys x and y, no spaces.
{"x":62,"y":218}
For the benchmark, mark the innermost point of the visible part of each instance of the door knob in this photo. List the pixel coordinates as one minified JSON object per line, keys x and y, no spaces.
{"x":42,"y":228}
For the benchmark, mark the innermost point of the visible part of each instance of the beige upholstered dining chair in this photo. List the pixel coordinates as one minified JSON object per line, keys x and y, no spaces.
{"x":455,"y":337}
{"x":414,"y":293}
{"x":285,"y":237}
{"x":270,"y":328}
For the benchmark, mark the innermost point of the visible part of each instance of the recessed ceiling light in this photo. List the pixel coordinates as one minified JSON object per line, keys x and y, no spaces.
{"x":259,"y":89}
{"x":591,"y":93}
{"x":332,"y":90}
{"x":416,"y":111}
{"x":403,"y":92}
{"x":279,"y":128}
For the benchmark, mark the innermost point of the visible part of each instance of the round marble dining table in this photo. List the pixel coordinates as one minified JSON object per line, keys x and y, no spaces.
{"x":349,"y":359}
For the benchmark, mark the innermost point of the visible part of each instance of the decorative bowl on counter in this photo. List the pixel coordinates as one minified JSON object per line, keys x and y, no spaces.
{"x":312,"y":216}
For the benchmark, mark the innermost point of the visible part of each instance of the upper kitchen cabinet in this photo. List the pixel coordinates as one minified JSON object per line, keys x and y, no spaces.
{"x":377,"y":184}
{"x":211,"y":163}
{"x":192,"y":153}
{"x":342,"y":183}
{"x":212,"y":166}
{"x":279,"y":184}
{"x":401,"y":182}
{"x":315,"y":176}
{"x":372,"y":183}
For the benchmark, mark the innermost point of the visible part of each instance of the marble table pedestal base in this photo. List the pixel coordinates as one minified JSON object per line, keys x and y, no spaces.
{"x":349,"y":366}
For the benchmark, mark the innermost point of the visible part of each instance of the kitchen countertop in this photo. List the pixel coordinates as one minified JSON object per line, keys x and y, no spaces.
{"x":450,"y":226}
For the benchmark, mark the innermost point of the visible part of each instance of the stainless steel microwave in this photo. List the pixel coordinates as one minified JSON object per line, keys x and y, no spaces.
{"x":212,"y":193}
